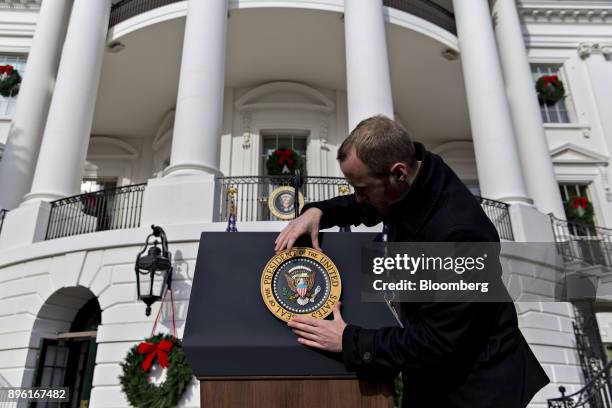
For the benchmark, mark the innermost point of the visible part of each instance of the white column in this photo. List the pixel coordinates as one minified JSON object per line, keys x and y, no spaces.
{"x":64,"y":147}
{"x":196,"y":141}
{"x":368,"y":81}
{"x":21,"y":150}
{"x":535,"y":156}
{"x":497,"y":159}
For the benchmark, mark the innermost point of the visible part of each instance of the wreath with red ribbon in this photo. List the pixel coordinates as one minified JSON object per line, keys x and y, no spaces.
{"x":282,"y":161}
{"x":550,"y":89}
{"x":579,"y":210}
{"x":9,"y":80}
{"x":167,"y":351}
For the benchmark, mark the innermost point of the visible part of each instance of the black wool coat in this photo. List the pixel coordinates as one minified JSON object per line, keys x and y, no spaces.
{"x":450,"y":354}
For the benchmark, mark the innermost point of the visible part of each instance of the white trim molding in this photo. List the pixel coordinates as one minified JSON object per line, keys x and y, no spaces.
{"x":548,"y":12}
{"x":20,"y":4}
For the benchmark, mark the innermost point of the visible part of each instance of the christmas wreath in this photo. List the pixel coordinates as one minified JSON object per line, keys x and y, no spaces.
{"x":579,"y":210}
{"x":135,"y":383}
{"x":9,"y":80}
{"x":282,"y":161}
{"x":550,"y":89}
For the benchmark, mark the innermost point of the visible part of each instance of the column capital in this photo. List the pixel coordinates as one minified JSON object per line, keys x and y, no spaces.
{"x":587,"y":49}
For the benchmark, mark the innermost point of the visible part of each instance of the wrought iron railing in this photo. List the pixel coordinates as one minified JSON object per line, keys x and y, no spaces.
{"x":125,"y":9}
{"x":253,"y":193}
{"x":498,"y":213}
{"x":425,"y":9}
{"x":2,"y":215}
{"x":116,"y":208}
{"x":583,"y":242}
{"x":597,"y":393}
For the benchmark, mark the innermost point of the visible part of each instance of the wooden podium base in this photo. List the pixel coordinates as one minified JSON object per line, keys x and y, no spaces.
{"x":295,"y":393}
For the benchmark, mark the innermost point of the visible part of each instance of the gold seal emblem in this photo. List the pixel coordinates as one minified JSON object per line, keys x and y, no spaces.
{"x":281,"y":202}
{"x":300,"y":281}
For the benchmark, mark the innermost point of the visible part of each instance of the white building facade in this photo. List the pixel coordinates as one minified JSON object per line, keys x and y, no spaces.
{"x":139,"y":112}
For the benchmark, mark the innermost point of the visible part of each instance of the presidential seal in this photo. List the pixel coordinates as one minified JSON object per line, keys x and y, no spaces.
{"x":281,"y":202}
{"x":300,"y":281}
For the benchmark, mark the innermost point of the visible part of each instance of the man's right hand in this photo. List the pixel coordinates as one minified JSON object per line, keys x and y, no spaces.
{"x":307,"y":223}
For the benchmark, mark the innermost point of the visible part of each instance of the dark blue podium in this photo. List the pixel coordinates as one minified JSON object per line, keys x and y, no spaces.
{"x":244,"y":356}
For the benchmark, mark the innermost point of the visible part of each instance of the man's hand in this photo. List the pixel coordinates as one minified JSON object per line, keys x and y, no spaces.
{"x":321,"y":334}
{"x":308,"y":222}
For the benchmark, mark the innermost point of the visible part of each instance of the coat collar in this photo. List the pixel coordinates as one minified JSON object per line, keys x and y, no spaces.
{"x":414,"y":207}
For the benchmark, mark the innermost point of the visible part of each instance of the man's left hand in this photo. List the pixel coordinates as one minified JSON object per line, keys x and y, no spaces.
{"x":318,"y":333}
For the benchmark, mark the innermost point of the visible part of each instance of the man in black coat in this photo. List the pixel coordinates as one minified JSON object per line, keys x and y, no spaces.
{"x":450,"y":354}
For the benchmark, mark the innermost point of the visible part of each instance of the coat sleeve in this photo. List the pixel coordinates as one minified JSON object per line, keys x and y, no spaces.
{"x":344,"y":210}
{"x":444,"y":333}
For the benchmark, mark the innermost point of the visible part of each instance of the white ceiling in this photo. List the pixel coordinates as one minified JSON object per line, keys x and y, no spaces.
{"x":139,"y":84}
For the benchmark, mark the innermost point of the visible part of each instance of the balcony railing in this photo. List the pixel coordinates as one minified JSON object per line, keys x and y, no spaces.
{"x":426,"y":9}
{"x":597,"y":393}
{"x":253,"y":193}
{"x":125,"y":9}
{"x":116,"y":208}
{"x":498,"y":213}
{"x":583,"y":242}
{"x":2,"y":215}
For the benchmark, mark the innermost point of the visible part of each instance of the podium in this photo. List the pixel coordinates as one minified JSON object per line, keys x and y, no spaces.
{"x":244,"y":356}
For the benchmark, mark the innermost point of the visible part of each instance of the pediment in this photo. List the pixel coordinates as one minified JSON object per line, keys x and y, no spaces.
{"x":284,"y":95}
{"x":455,"y":150}
{"x":102,"y":147}
{"x":569,"y":153}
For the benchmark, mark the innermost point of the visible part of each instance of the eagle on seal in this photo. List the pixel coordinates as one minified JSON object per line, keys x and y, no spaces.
{"x":300,"y":280}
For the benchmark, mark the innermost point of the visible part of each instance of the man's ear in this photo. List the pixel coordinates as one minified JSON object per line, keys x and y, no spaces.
{"x":400,"y":172}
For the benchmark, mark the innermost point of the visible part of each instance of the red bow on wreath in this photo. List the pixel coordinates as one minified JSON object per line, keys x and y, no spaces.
{"x":284,"y":156}
{"x":6,"y":69}
{"x":550,"y":80}
{"x":152,"y":350}
{"x":580,"y":202}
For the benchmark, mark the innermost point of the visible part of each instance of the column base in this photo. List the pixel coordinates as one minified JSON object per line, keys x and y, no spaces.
{"x":44,"y":196}
{"x":530,"y":225}
{"x":190,"y":169}
{"x":181,"y":200}
{"x":516,"y":200}
{"x":25,"y":224}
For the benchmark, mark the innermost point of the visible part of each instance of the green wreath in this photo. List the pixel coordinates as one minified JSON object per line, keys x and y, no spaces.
{"x":168,"y":351}
{"x":550,"y":89}
{"x":579,"y":210}
{"x":283,"y":161}
{"x":9,"y":80}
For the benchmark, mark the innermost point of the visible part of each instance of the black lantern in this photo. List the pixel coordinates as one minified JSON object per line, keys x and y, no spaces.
{"x":156,"y":265}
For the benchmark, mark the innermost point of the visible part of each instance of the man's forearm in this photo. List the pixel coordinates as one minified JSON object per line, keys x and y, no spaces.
{"x":343,"y":211}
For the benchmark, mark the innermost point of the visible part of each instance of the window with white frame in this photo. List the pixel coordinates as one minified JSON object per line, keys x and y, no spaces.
{"x":561,"y":111}
{"x":296,"y":140}
{"x":570,"y":191}
{"x":7,"y":103}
